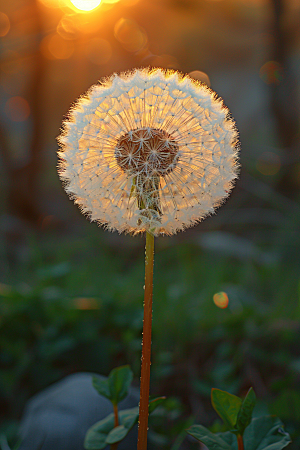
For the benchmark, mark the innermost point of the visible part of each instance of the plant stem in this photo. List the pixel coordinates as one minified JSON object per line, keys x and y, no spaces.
{"x":116,"y":416}
{"x":240,"y":442}
{"x":115,"y":446}
{"x":146,"y":348}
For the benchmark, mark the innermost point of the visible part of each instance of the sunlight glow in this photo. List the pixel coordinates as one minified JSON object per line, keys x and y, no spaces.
{"x":132,"y":37}
{"x":86,"y":5}
{"x":54,"y":46}
{"x":4,"y":24}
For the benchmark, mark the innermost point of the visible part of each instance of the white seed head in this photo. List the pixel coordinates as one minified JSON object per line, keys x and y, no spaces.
{"x":148,"y":150}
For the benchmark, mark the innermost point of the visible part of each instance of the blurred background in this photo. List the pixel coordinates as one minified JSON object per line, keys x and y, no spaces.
{"x":227,"y":292}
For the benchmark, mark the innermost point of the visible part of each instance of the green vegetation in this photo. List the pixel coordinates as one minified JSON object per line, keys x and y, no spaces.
{"x":74,"y":304}
{"x":244,"y":432}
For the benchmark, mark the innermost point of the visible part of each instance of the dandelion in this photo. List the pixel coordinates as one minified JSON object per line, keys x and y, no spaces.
{"x":148,"y":151}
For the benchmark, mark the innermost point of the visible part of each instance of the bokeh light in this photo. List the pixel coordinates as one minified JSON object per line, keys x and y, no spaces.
{"x":98,"y":51}
{"x":130,"y":2}
{"x":85,"y":23}
{"x":4,"y":24}
{"x":86,"y":303}
{"x":271,"y":72}
{"x":165,"y":61}
{"x":86,"y":5}
{"x":268,"y":163}
{"x":66,"y":28}
{"x":17,"y":109}
{"x":132,"y":37}
{"x":50,"y":3}
{"x":221,"y":300}
{"x":54,"y":46}
{"x":200,"y":76}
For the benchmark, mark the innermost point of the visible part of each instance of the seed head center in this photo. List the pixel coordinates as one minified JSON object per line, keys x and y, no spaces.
{"x":147,"y":151}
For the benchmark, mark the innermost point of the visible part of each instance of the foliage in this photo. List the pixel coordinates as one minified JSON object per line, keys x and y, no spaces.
{"x":236,"y":413}
{"x":104,"y":432}
{"x":76,"y":307}
{"x":260,"y":433}
{"x":115,"y":388}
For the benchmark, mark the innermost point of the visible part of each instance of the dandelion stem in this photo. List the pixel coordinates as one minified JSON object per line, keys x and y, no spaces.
{"x":116,"y":415}
{"x":146,"y":348}
{"x":115,"y":446}
{"x":240,"y":442}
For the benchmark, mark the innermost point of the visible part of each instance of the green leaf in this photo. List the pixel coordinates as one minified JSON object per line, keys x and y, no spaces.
{"x":104,"y":432}
{"x":226,"y":405}
{"x":129,"y":417}
{"x":245,"y":413}
{"x":116,"y":435}
{"x":229,"y":438}
{"x":95,"y":438}
{"x":263,"y":433}
{"x":116,"y":386}
{"x":266,"y":433}
{"x":155,"y":402}
{"x":211,"y":440}
{"x":119,"y":381}
{"x":101,"y":386}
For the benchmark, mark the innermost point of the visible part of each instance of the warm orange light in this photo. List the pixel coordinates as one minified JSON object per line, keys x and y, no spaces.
{"x":4,"y":24}
{"x":130,"y":2}
{"x":85,"y":5}
{"x":10,"y":62}
{"x":50,"y":3}
{"x":67,"y":28}
{"x":132,"y":37}
{"x":200,"y":76}
{"x":98,"y":51}
{"x":221,"y":300}
{"x":86,"y":303}
{"x":54,"y":46}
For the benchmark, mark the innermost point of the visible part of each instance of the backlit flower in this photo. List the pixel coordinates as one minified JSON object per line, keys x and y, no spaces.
{"x":148,"y":150}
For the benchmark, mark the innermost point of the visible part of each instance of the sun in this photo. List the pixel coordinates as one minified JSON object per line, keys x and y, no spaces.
{"x":85,"y":5}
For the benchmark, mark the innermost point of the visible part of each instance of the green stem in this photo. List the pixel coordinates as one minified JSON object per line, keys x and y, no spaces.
{"x":115,"y":446}
{"x":146,"y":348}
{"x":240,"y":442}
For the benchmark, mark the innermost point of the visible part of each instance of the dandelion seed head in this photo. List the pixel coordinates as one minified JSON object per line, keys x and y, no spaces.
{"x":148,"y":150}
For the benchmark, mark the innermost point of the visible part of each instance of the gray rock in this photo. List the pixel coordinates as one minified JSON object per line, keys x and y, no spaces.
{"x":58,"y":417}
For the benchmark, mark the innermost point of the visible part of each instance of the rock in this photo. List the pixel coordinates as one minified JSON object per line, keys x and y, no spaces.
{"x":58,"y":417}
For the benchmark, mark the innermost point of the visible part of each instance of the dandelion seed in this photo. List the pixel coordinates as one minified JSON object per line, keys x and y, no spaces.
{"x":148,"y":150}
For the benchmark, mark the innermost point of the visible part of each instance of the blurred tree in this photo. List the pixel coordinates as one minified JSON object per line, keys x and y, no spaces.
{"x":284,"y":98}
{"x":22,"y":193}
